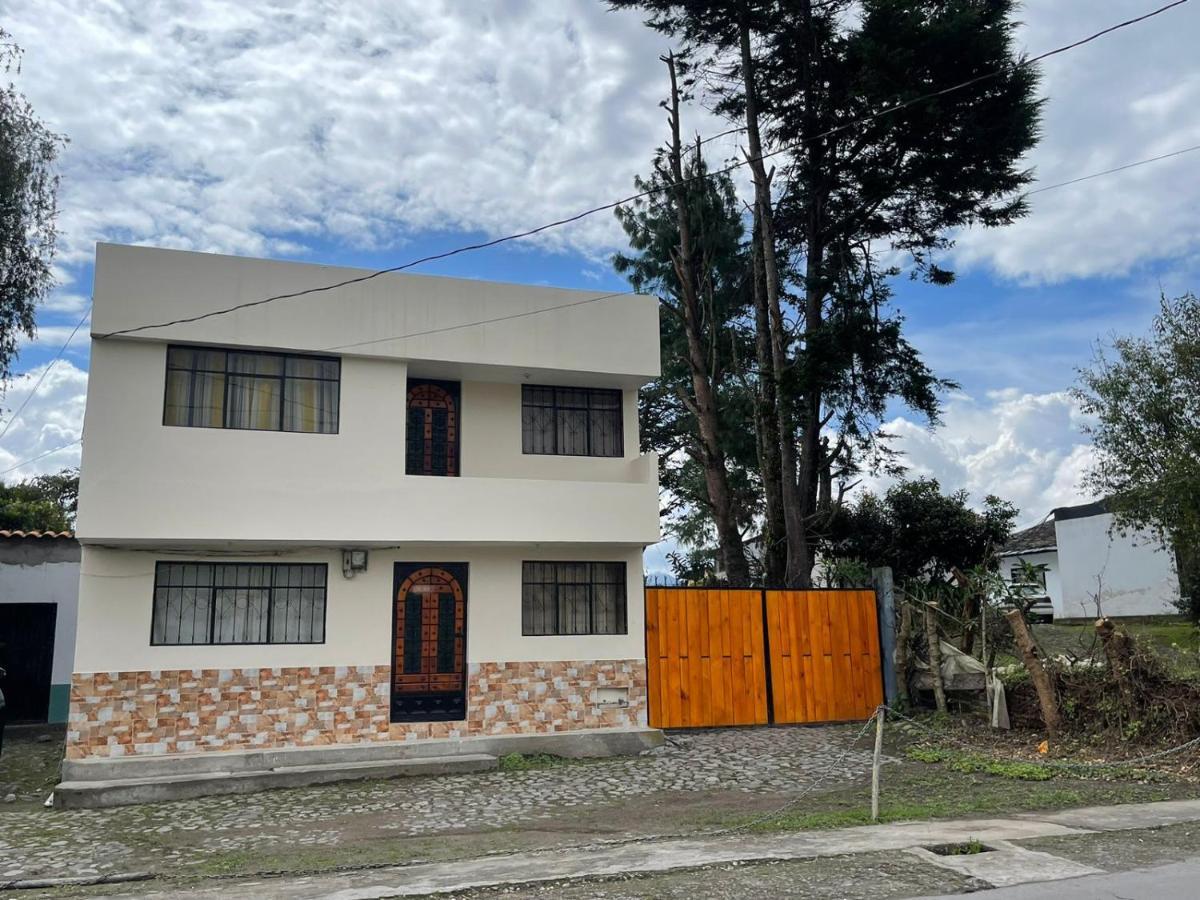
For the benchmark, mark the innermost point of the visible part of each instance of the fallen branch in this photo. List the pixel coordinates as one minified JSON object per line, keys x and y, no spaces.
{"x":1037,"y":672}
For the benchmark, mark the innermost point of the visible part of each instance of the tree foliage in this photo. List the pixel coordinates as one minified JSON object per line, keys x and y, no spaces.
{"x":43,"y":503}
{"x":1143,"y":394}
{"x":887,"y":126}
{"x":920,"y":532}
{"x":668,"y":412}
{"x":28,"y":206}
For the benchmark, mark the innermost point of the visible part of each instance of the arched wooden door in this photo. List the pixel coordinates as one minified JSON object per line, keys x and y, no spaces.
{"x":429,"y":642}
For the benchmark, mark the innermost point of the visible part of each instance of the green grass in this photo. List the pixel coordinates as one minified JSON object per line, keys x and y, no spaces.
{"x":974,"y":762}
{"x":1176,"y":641}
{"x":524,"y":762}
{"x":915,"y":790}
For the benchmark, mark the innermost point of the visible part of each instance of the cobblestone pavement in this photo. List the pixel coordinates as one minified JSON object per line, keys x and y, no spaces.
{"x":770,"y":762}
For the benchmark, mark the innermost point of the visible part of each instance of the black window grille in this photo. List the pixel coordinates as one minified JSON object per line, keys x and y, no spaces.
{"x":239,"y":603}
{"x":567,"y":421}
{"x":213,"y":388}
{"x":573,"y":598}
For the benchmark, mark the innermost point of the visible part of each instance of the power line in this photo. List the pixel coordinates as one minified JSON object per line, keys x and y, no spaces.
{"x":482,"y":245}
{"x":521,"y":315}
{"x":45,"y":372}
{"x":41,"y":456}
{"x":1132,"y":165}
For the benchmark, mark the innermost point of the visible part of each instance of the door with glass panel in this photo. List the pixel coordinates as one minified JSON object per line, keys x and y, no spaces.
{"x":429,"y":642}
{"x":431,"y":428}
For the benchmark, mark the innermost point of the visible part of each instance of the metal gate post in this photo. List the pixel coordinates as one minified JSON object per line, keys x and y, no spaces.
{"x":767,"y":661}
{"x":885,"y":605}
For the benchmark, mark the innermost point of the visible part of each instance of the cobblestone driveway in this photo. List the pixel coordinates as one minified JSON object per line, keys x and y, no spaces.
{"x":766,"y":761}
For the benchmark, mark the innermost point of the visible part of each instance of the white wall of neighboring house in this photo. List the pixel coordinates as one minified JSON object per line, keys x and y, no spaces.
{"x":46,"y":570}
{"x":1048,"y":559}
{"x":1132,"y":574}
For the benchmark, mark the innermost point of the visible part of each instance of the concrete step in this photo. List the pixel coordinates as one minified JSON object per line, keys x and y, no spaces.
{"x":183,"y":786}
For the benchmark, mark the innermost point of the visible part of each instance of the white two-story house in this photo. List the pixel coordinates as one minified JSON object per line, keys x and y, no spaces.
{"x":404,"y":509}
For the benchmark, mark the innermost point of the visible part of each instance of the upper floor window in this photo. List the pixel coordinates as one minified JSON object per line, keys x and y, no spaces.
{"x":238,"y":603}
{"x":431,"y":432}
{"x":568,"y":421}
{"x":209,"y":388}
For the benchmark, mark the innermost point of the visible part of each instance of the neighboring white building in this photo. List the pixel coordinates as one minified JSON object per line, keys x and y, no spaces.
{"x":408,"y":508}
{"x":39,"y":593}
{"x":1086,"y":560}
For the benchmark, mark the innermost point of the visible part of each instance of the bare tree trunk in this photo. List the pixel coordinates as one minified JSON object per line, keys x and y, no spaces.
{"x":799,"y":561}
{"x":774,"y":535}
{"x":703,"y":403}
{"x":935,"y":655}
{"x":1041,"y":681}
{"x":971,"y":606}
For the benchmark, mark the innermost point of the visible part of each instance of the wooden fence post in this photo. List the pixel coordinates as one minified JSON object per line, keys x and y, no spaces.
{"x":885,"y":601}
{"x":935,"y":654}
{"x":877,"y":763}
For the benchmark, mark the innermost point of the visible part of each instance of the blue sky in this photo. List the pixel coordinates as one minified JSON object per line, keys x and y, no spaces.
{"x":371,"y":136}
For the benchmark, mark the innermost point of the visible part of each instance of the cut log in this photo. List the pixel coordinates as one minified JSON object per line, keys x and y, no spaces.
{"x":1037,"y":672}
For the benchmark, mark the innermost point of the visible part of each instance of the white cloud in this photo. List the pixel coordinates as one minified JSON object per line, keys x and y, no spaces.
{"x":1026,"y":448}
{"x":53,"y":418}
{"x":256,"y":128}
{"x":1125,"y":97}
{"x":253,"y":129}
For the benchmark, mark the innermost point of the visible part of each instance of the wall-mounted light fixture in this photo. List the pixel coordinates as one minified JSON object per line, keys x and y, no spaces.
{"x":353,"y":562}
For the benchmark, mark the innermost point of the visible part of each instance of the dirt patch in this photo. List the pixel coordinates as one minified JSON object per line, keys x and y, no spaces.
{"x":1123,"y":850}
{"x":30,"y":761}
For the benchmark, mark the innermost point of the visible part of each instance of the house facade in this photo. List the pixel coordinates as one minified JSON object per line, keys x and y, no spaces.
{"x":404,"y":509}
{"x":39,"y":593}
{"x":1089,"y":568}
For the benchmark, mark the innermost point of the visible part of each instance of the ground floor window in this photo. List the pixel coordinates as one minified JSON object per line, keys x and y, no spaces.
{"x":239,"y":603}
{"x":573,"y":598}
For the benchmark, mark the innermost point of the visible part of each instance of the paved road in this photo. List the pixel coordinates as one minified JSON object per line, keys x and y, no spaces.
{"x":1177,"y":881}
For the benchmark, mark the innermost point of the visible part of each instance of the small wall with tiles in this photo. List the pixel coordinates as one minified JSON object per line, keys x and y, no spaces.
{"x":195,"y":710}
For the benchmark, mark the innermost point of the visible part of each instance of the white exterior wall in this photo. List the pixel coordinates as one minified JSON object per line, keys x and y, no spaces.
{"x":146,"y":484}
{"x":117,"y":593}
{"x":54,"y":582}
{"x":1133,"y":573}
{"x":578,"y":342}
{"x":1049,"y":559}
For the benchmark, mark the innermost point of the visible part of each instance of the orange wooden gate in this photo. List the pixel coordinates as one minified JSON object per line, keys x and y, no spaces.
{"x":751,"y":657}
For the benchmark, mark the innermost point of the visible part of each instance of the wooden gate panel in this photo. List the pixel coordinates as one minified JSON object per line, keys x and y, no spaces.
{"x":704,"y":651}
{"x":708,"y":652}
{"x":824,"y":652}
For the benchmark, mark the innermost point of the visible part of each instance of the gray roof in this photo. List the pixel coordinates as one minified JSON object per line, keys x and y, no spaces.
{"x":1039,"y":537}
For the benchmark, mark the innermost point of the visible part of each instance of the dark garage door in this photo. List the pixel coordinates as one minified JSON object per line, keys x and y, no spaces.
{"x":27,"y":653}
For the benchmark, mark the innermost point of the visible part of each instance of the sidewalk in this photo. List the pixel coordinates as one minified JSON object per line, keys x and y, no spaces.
{"x":1005,"y":864}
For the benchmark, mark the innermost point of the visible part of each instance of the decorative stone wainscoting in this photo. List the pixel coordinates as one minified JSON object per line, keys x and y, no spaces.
{"x":192,"y":710}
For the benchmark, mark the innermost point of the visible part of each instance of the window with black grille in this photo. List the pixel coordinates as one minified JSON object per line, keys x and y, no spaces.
{"x":567,"y":421}
{"x":573,"y":598}
{"x":214,"y":388}
{"x":239,"y":603}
